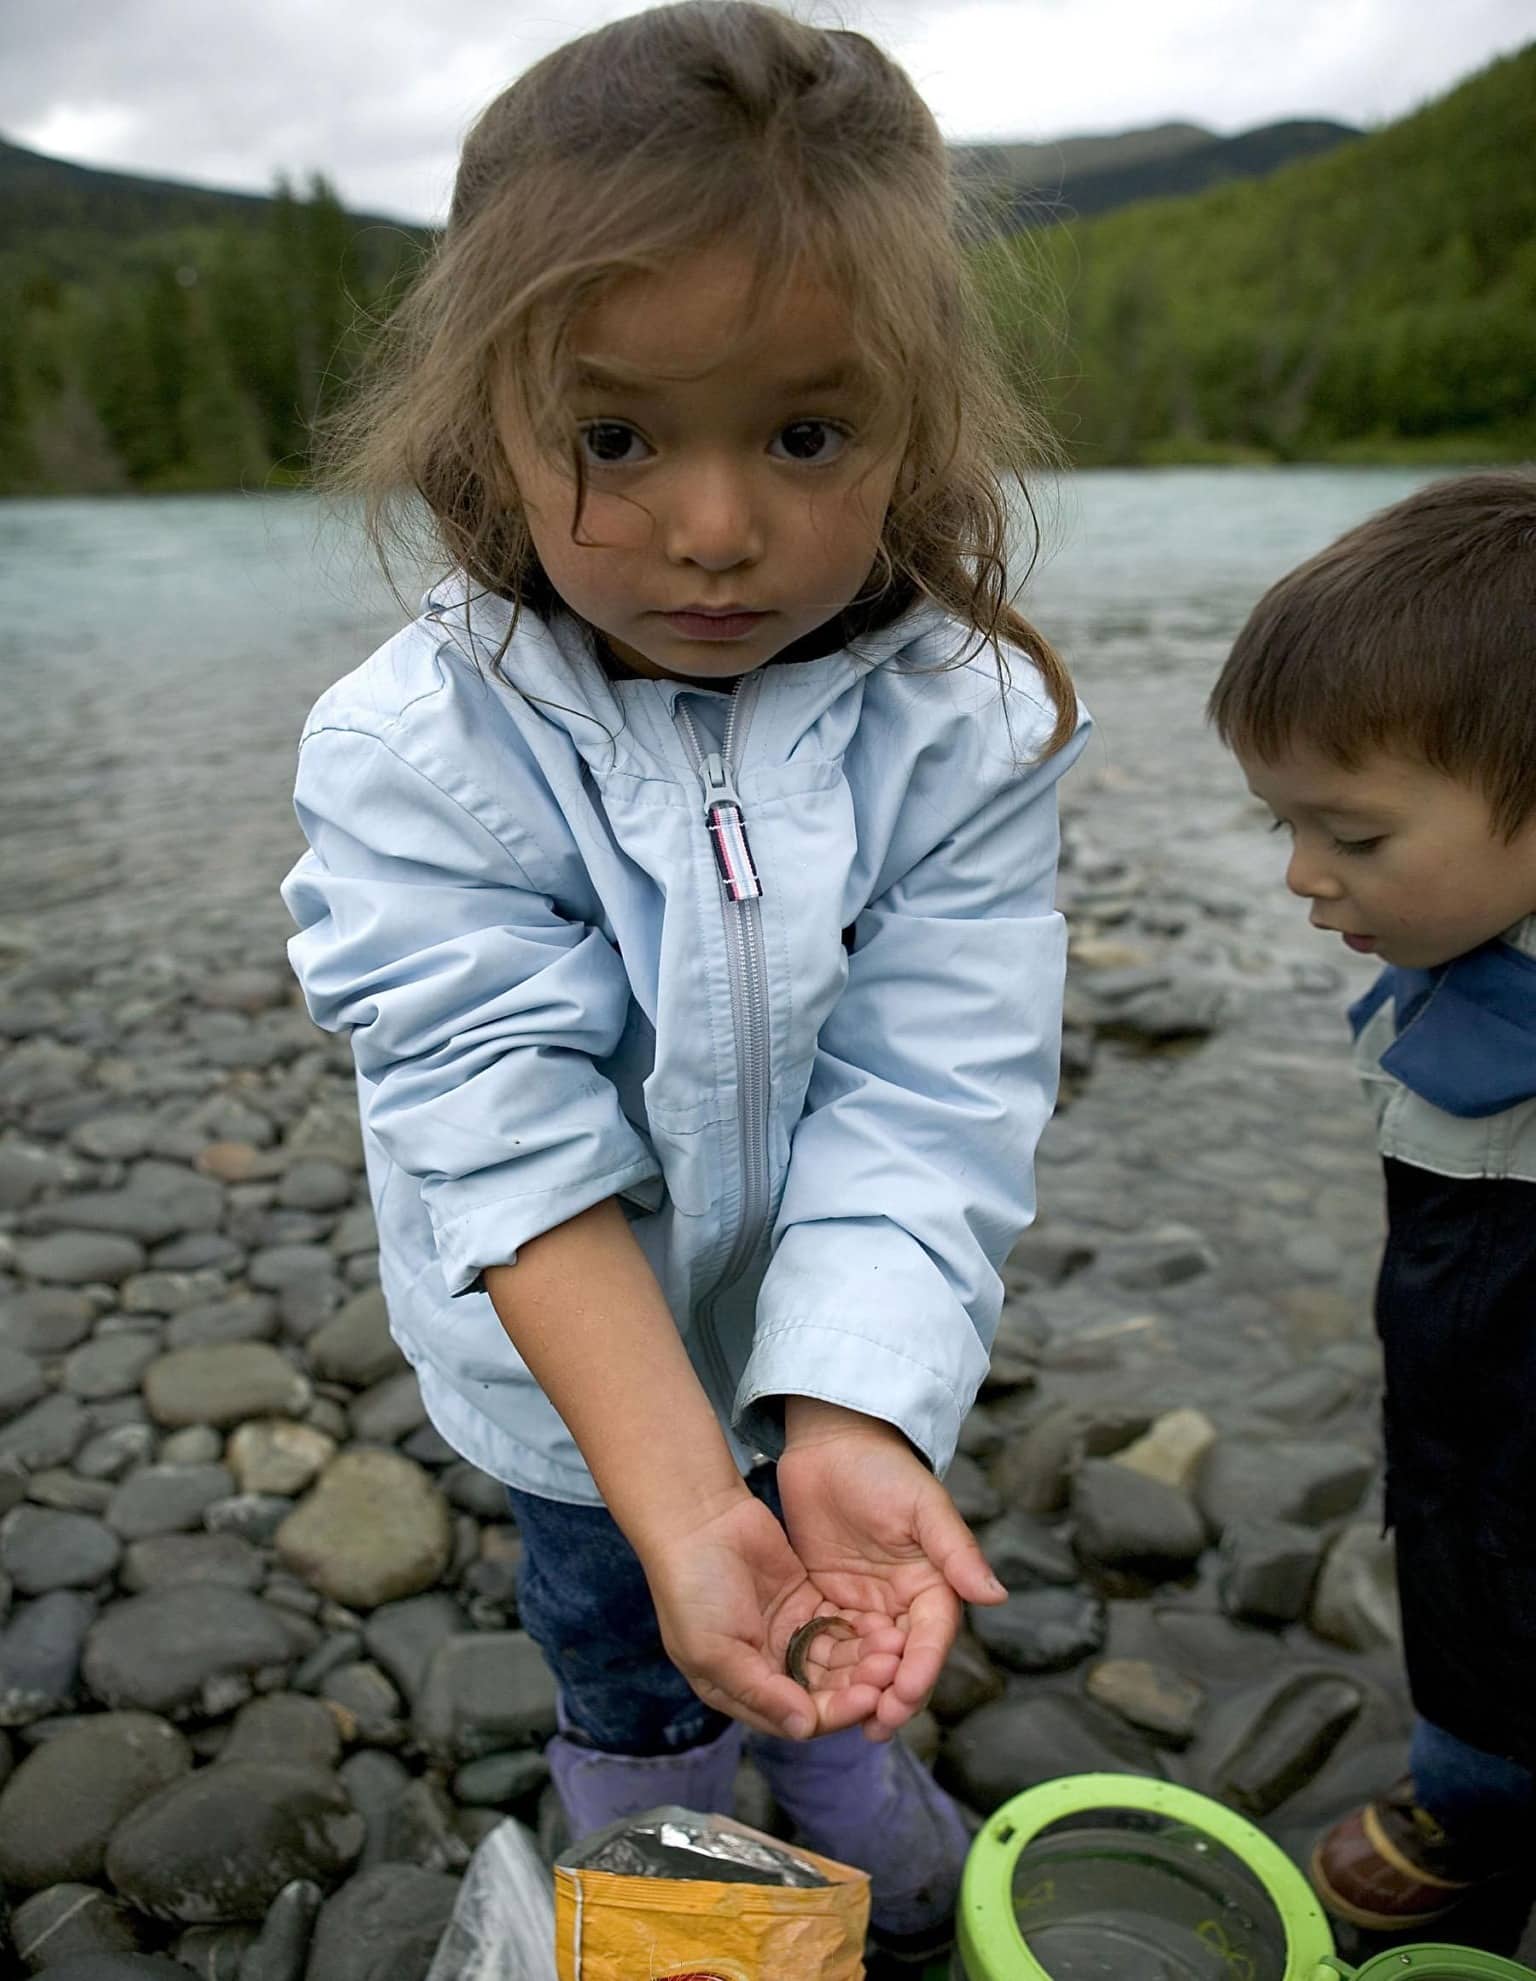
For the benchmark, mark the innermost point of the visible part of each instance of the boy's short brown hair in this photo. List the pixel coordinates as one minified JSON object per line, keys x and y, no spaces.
{"x":1414,"y":633}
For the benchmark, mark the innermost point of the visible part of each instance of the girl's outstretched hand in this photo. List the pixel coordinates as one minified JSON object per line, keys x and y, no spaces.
{"x":879,"y":1536}
{"x":730,"y":1593}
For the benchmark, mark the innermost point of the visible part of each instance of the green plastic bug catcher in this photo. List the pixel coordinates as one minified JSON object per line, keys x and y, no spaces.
{"x":1114,"y":1878}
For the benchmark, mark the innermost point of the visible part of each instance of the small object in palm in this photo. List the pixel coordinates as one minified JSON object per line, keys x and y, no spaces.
{"x":805,"y":1637}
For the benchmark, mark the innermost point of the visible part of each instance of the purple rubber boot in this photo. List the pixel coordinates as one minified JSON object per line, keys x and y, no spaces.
{"x":597,"y":1788}
{"x":875,"y":1806}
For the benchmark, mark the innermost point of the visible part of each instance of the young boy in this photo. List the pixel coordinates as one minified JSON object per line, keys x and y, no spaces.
{"x":1382,"y":702}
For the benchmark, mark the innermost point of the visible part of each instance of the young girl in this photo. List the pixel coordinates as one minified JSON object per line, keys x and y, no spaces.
{"x":684,"y":878}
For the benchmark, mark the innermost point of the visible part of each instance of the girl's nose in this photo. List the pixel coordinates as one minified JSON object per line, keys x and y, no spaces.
{"x":712,"y":522}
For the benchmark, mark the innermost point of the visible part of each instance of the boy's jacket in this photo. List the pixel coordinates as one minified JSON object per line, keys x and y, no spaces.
{"x":1465,"y":1031}
{"x":512,"y":901}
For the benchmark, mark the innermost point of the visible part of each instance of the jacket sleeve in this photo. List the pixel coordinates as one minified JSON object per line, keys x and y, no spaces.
{"x":911,"y":1172}
{"x":476,"y":1010}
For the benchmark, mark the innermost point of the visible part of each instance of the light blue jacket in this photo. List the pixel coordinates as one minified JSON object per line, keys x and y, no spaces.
{"x":819,"y":1104}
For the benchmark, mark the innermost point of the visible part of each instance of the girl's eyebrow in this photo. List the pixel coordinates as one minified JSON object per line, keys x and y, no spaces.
{"x":613,"y":375}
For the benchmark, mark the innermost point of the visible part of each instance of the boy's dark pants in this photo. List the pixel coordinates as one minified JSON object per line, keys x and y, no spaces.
{"x":1456,"y":1309}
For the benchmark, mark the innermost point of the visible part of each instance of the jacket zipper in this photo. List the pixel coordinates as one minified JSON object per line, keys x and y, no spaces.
{"x":740,"y":897}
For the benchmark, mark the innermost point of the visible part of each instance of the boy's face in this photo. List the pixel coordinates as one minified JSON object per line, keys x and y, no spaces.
{"x":1400,"y":860}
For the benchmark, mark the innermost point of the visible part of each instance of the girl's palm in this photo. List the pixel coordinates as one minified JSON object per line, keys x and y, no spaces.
{"x":731,"y":1593}
{"x":881,"y":1538}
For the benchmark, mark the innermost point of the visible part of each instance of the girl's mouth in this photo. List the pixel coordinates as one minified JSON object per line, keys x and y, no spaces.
{"x":697,"y":625}
{"x":1362,"y":945}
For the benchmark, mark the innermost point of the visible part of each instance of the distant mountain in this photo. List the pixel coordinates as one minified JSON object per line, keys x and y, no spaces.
{"x":1028,"y":185}
{"x":58,"y":210}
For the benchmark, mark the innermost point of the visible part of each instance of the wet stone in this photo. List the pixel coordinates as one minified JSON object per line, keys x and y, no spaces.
{"x":166,"y":1499}
{"x":111,"y":1453}
{"x":389,"y":1411}
{"x":222,"y":1843}
{"x":374,"y":1530}
{"x":969,"y":1680}
{"x":355,"y":1345}
{"x":171,"y":1292}
{"x":484,"y":1692}
{"x":65,"y":1800}
{"x":284,"y":1727}
{"x":21,"y":1381}
{"x":404,"y":1637}
{"x":1125,"y":1520}
{"x":165,"y":1559}
{"x":313,"y":1184}
{"x":1024,"y":1553}
{"x":1291,"y":1480}
{"x":196,"y":1252}
{"x":115,"y":1137}
{"x":1268,"y":1568}
{"x":255,"y":1517}
{"x":374,"y":1782}
{"x":1356,"y":1600}
{"x":393,"y":1913}
{"x":1173,"y":1450}
{"x":78,"y":1258}
{"x":67,"y":1922}
{"x":371,"y":1703}
{"x":278,"y":1456}
{"x":1287,"y":1741}
{"x":250,"y":1318}
{"x":160,"y":1651}
{"x":501,"y":1781}
{"x":111,"y":1365}
{"x":46,"y":1320}
{"x":42,"y":1550}
{"x":40,"y":1651}
{"x":223,"y":1384}
{"x":1158,"y":1700}
{"x":282,"y":1947}
{"x":1041,"y":1630}
{"x":50,"y":1433}
{"x":274,"y":1267}
{"x":64,"y":1492}
{"x":216,"y":1953}
{"x":1017,"y":1743}
{"x":196,"y":1444}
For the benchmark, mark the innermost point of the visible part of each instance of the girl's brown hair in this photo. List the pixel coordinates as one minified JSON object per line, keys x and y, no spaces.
{"x":624,"y":152}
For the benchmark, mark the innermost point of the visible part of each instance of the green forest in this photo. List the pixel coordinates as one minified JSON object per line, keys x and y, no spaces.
{"x":1375,"y":303}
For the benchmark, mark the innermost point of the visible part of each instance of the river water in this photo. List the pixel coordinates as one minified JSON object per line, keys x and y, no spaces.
{"x":157,"y":657}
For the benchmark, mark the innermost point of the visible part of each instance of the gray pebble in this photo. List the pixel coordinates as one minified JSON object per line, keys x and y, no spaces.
{"x":158,"y":1651}
{"x":169,"y":1558}
{"x":77,"y":1258}
{"x":40,"y":1650}
{"x":42,"y":1550}
{"x":1041,"y":1629}
{"x":166,"y":1499}
{"x":50,"y":1433}
{"x":111,"y":1365}
{"x":65,"y":1800}
{"x":58,"y":1928}
{"x":46,"y":1320}
{"x":110,"y":1453}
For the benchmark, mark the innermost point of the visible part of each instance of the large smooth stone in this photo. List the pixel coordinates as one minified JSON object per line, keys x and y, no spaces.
{"x":42,"y":1550}
{"x":68,"y":1796}
{"x":1290,"y":1479}
{"x":1018,"y":1743}
{"x":383,"y":1925}
{"x":484,"y":1691}
{"x":159,"y":1650}
{"x":1126,"y":1520}
{"x":40,"y":1655}
{"x":222,"y":1843}
{"x":374,"y":1529}
{"x":1041,"y":1630}
{"x":72,"y":1922}
{"x":224,"y":1383}
{"x":355,"y":1346}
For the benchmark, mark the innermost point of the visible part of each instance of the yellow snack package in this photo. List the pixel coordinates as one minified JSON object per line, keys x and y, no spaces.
{"x":675,"y":1896}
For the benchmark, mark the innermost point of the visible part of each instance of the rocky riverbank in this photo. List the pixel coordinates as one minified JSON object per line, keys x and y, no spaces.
{"x":261,"y":1678}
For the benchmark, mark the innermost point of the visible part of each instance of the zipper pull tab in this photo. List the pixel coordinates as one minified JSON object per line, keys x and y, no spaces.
{"x":728,"y":830}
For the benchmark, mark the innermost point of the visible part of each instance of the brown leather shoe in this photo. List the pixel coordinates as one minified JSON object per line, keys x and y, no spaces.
{"x":1391,"y":1867}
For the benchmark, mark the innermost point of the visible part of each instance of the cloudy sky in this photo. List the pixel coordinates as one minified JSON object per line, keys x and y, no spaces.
{"x":375,"y":93}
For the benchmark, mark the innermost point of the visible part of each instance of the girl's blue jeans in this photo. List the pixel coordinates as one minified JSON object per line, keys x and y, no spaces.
{"x":583,"y":1598}
{"x":1472,"y":1794}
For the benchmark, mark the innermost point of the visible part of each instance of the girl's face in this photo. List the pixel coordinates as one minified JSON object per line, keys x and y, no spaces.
{"x":737,"y":475}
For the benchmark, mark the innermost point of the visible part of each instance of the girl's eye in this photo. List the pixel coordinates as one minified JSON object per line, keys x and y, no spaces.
{"x":1280,"y":825}
{"x":1358,"y":845}
{"x":612,"y":444}
{"x":809,"y":440}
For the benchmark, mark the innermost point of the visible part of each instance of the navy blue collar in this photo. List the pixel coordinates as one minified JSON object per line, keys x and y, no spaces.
{"x":1466,"y":1030}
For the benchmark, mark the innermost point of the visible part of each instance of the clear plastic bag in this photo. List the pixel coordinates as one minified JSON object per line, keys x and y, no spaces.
{"x":503,"y":1925}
